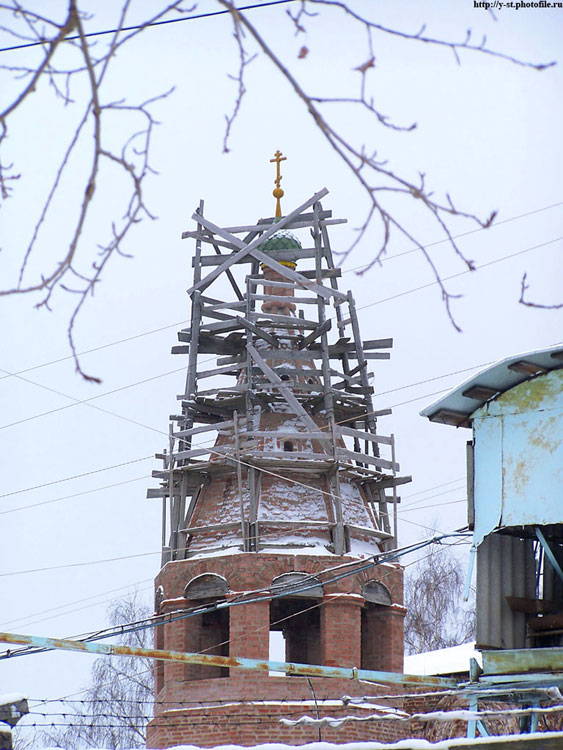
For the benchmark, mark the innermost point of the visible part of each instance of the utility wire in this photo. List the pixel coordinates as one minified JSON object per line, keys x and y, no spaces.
{"x":76,"y":494}
{"x":87,"y":401}
{"x":148,"y":25}
{"x":358,"y":567}
{"x":77,"y":476}
{"x":94,"y":349}
{"x":461,"y":273}
{"x":349,"y":270}
{"x":155,"y":377}
{"x":454,"y":237}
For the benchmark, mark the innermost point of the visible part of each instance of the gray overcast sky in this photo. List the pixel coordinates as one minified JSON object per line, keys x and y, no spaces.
{"x":489,"y":133}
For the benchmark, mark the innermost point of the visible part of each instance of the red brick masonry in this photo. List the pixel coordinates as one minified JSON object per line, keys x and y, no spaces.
{"x":204,"y":706}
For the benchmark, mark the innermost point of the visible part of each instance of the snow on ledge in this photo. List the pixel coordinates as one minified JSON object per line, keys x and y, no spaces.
{"x":412,"y":744}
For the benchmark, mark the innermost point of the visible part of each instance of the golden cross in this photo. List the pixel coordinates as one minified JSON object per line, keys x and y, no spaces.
{"x":277,"y":191}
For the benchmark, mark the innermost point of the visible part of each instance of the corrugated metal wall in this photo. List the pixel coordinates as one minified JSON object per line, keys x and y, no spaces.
{"x":505,"y":567}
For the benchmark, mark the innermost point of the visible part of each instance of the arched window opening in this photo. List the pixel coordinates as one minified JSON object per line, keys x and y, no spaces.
{"x":288,"y":446}
{"x":376,"y":625}
{"x":285,"y":376}
{"x":209,"y":631}
{"x":299,"y":621}
{"x":296,"y":618}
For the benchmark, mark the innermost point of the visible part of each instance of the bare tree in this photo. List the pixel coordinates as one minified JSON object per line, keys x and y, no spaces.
{"x":436,"y":615}
{"x":75,"y":64}
{"x":114,"y":710}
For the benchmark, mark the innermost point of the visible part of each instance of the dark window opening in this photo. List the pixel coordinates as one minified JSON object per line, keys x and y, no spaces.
{"x":158,"y":670}
{"x":288,"y":446}
{"x":300,"y":622}
{"x":207,"y":633}
{"x":311,"y":381}
{"x":285,"y":377}
{"x":375,"y":637}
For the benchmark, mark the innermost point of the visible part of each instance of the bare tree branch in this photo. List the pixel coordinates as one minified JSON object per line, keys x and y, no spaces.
{"x":132,"y":160}
{"x":524,"y":287}
{"x":436,"y":617}
{"x":120,"y":695}
{"x":78,"y":269}
{"x":358,"y":162}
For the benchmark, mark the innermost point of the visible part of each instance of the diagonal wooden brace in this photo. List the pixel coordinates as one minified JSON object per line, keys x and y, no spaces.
{"x":245,"y":249}
{"x":283,"y":389}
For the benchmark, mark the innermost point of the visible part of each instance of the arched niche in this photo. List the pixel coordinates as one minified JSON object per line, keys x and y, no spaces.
{"x":376,"y":593}
{"x":158,"y":598}
{"x":289,"y":584}
{"x":207,"y":586}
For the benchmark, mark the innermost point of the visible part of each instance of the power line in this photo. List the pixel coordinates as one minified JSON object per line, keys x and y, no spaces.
{"x":24,"y":622}
{"x":95,"y":349}
{"x":158,"y":620}
{"x":86,"y":401}
{"x":76,"y":494}
{"x":77,"y":476}
{"x":149,"y":25}
{"x":456,"y":236}
{"x":461,"y":273}
{"x":155,"y":377}
{"x":182,"y":322}
{"x":435,"y":487}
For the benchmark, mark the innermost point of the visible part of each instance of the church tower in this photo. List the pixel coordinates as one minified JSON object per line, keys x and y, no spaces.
{"x":277,"y":489}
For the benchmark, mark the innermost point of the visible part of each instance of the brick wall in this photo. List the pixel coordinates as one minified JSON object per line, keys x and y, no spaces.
{"x":196,"y":706}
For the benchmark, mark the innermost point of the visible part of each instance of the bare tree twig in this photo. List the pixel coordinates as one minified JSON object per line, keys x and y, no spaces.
{"x":358,"y":161}
{"x":524,"y":287}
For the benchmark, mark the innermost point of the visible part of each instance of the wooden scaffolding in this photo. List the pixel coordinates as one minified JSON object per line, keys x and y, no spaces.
{"x":236,"y":334}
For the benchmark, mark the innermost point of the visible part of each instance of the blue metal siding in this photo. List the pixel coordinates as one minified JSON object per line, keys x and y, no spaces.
{"x":519,"y":456}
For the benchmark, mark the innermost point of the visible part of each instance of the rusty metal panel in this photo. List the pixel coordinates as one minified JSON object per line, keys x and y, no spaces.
{"x":520,"y":661}
{"x":519,"y":456}
{"x":505,"y":567}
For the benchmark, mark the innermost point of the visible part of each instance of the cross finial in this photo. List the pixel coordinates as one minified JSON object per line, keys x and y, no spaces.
{"x":277,"y":191}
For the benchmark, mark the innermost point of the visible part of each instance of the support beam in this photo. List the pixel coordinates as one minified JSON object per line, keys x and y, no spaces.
{"x":264,"y":666}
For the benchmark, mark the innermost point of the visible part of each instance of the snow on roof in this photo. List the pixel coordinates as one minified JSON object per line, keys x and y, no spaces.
{"x":443,"y":661}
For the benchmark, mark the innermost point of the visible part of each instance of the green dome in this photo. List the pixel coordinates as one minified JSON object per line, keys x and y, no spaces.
{"x":282,"y":240}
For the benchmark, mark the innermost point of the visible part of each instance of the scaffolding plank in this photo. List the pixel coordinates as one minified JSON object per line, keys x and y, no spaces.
{"x":367,"y":531}
{"x":365,"y":435}
{"x":284,"y":390}
{"x":296,"y":435}
{"x":282,"y":321}
{"x":226,"y":370}
{"x":319,"y":330}
{"x":257,"y":331}
{"x":365,"y":459}
{"x":280,"y":255}
{"x":305,"y":219}
{"x":246,"y":249}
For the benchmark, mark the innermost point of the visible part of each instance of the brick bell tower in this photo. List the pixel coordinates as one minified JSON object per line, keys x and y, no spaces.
{"x":273,"y":485}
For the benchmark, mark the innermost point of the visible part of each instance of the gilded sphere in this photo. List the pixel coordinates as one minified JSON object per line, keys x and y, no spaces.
{"x":278,"y":192}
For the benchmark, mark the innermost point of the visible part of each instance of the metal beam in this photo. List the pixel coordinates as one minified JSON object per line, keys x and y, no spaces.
{"x":313,"y":670}
{"x":549,"y":552}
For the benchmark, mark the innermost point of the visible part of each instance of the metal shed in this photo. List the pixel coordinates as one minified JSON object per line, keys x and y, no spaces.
{"x":515,"y":495}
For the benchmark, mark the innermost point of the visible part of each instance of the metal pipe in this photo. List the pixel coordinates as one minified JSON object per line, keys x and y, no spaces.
{"x":311,"y":670}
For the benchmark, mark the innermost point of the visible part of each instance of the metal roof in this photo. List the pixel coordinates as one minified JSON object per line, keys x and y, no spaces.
{"x":457,"y":406}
